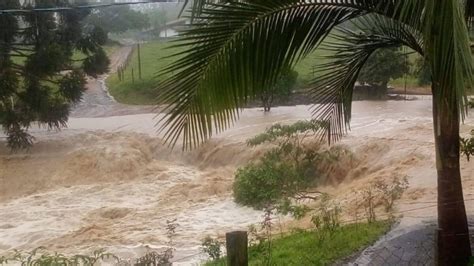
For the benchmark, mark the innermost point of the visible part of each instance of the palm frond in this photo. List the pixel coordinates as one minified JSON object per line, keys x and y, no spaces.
{"x":469,"y":11}
{"x":448,"y":51}
{"x":236,"y":49}
{"x":349,"y":50}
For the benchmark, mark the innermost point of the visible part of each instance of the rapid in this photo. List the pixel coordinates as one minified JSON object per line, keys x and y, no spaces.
{"x":108,"y":181}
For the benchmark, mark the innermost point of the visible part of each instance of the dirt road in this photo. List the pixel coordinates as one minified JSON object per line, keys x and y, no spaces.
{"x":97,"y":102}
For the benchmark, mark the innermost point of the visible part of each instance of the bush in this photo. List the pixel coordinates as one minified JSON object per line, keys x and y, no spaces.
{"x":266,"y":183}
{"x":287,"y":174}
{"x":467,"y":146}
{"x":284,"y":173}
{"x":471,"y":103}
{"x":212,"y":247}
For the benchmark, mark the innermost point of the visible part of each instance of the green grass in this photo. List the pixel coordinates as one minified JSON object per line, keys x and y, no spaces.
{"x":142,"y":91}
{"x":306,"y":67}
{"x":317,"y":248}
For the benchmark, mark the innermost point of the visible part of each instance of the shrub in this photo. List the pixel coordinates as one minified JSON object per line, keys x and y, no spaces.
{"x":268,"y":182}
{"x":212,"y":247}
{"x":286,"y":174}
{"x":467,"y":146}
{"x":390,"y":192}
{"x":470,"y":103}
{"x":327,"y":215}
{"x":381,"y":192}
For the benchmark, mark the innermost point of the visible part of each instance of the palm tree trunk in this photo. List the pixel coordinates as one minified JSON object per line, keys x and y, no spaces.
{"x":453,"y":233}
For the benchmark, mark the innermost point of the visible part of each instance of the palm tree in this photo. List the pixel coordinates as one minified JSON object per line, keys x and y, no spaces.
{"x":236,"y":48}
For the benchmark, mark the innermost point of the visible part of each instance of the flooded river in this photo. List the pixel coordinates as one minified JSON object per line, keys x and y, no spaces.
{"x":109,"y":182}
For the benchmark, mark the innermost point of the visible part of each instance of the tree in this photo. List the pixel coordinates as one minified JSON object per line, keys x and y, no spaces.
{"x":118,"y":19}
{"x":39,"y":79}
{"x":422,"y":72}
{"x":382,"y":66}
{"x":157,"y":18}
{"x":237,"y":48}
{"x":281,"y":89}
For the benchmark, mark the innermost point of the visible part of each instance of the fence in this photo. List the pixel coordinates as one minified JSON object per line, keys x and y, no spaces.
{"x":415,"y":246}
{"x":121,"y":68}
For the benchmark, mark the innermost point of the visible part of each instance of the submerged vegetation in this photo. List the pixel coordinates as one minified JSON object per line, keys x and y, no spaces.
{"x":467,"y":146}
{"x":286,"y":172}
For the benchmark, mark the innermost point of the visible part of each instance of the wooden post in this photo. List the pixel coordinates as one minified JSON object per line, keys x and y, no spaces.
{"x":139,"y":62}
{"x":329,"y":133}
{"x":236,"y":245}
{"x":133,"y":76}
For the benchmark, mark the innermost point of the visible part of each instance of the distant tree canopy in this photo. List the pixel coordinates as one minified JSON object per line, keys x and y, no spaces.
{"x":158,"y":18}
{"x":382,"y":66}
{"x":118,"y":19}
{"x":39,"y":77}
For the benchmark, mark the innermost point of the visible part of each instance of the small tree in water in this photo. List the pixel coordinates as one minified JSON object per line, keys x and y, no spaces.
{"x":282,"y":89}
{"x":382,"y":66}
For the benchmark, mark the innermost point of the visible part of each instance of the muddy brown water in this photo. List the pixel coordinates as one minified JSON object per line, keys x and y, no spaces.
{"x":108,"y":181}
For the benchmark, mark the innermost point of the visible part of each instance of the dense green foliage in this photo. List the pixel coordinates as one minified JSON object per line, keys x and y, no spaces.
{"x":39,"y":78}
{"x":383,"y":66}
{"x":286,"y":173}
{"x":319,"y":247}
{"x":271,"y":181}
{"x":118,"y":19}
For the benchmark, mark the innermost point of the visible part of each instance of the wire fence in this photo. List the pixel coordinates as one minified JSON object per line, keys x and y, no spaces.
{"x":415,"y":246}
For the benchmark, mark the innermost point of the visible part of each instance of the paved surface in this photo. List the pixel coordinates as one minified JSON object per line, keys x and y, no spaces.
{"x":416,"y":246}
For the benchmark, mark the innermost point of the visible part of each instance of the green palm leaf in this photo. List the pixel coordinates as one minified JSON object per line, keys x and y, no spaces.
{"x":449,"y":54}
{"x":349,"y":50}
{"x":237,"y":49}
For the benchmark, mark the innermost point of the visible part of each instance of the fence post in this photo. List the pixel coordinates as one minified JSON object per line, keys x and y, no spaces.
{"x":329,"y":133}
{"x":139,"y":62}
{"x":236,"y":245}
{"x":133,"y":76}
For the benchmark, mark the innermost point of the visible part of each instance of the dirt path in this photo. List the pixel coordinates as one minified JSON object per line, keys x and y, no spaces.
{"x":97,"y":102}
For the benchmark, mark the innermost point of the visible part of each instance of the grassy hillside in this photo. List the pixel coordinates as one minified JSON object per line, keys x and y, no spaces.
{"x":153,"y":61}
{"x":141,"y":91}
